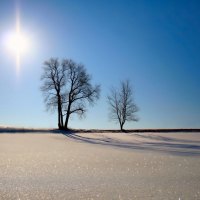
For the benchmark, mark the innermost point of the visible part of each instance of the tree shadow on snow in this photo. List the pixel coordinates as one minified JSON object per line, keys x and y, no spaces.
{"x":166,"y":145}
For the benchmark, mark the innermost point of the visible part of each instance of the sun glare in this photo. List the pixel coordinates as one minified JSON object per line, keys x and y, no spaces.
{"x":17,"y":43}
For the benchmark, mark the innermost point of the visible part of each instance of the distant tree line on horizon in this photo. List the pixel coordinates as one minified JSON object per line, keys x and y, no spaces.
{"x":67,"y":88}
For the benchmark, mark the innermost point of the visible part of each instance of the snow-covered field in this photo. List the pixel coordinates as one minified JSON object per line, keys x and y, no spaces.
{"x":146,"y":166}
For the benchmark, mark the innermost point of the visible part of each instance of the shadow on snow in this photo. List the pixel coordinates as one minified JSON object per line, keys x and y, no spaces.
{"x":155,"y":143}
{"x":167,"y":145}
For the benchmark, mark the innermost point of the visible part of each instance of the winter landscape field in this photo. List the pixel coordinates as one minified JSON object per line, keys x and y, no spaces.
{"x":113,"y":87}
{"x":59,"y":165}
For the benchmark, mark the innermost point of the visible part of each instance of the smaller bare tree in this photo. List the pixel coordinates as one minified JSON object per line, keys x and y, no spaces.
{"x":122,"y":106}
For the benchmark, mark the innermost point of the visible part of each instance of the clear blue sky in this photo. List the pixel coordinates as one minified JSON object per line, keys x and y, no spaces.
{"x":155,"y":44}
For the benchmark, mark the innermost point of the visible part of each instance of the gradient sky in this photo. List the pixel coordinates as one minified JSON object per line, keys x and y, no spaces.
{"x":155,"y":44}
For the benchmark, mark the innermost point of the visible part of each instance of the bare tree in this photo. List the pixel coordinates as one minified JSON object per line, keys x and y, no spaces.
{"x":79,"y":90}
{"x":67,"y":87}
{"x":54,"y":80}
{"x":122,"y":106}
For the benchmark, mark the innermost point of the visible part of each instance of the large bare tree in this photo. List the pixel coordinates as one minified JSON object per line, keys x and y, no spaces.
{"x":54,"y":80}
{"x":79,"y":90}
{"x":67,"y":87}
{"x":121,"y":103}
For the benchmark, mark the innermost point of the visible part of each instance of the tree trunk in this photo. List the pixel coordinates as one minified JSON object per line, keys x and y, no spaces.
{"x":59,"y":125}
{"x":66,"y":121}
{"x":67,"y":115}
{"x":121,"y":126}
{"x":60,"y":116}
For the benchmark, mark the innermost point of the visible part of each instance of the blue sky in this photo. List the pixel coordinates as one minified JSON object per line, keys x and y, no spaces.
{"x":155,"y":44}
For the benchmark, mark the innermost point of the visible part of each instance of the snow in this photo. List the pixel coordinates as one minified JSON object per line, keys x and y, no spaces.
{"x":100,"y":166}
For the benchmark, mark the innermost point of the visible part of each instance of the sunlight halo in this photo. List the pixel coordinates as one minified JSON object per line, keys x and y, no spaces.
{"x":17,"y":42}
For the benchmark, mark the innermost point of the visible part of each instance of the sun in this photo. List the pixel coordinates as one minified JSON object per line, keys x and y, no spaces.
{"x":17,"y":43}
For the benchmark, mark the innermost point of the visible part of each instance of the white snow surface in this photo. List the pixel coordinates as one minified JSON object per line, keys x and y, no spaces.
{"x":146,"y":166}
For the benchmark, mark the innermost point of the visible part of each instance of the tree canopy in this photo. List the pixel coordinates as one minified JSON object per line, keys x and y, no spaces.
{"x":67,"y":87}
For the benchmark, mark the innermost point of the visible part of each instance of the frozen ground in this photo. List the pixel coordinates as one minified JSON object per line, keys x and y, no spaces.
{"x":143,"y":166}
